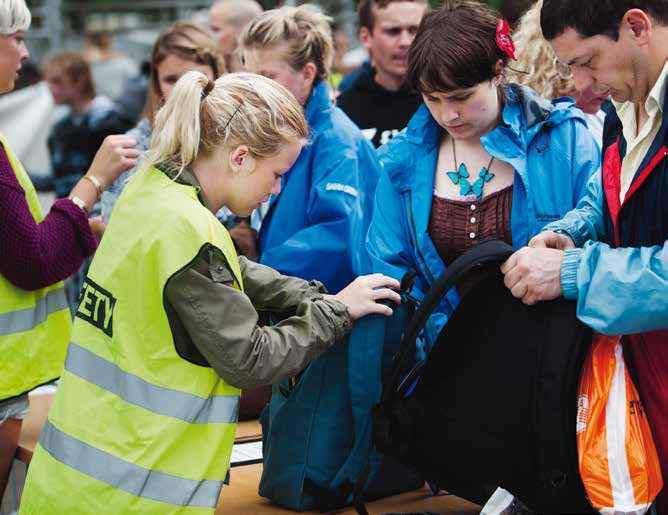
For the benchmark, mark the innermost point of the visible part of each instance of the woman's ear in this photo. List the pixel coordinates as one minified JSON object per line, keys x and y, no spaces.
{"x":309,"y":72}
{"x":241,"y":160}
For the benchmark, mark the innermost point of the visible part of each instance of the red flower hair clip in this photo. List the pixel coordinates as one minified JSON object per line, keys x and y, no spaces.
{"x":503,"y":40}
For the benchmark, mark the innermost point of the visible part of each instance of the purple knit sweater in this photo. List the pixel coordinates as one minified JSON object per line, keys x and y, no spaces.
{"x":33,"y":256}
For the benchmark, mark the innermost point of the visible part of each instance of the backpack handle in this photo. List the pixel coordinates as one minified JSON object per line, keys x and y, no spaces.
{"x":485,"y":253}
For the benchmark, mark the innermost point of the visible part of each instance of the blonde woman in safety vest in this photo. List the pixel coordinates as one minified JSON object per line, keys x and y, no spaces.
{"x":36,"y":253}
{"x":166,"y":331}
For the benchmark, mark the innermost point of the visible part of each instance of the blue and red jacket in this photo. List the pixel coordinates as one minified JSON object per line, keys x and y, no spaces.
{"x":620,"y":274}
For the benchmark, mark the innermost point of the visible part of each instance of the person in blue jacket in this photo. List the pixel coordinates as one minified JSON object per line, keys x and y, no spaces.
{"x":315,"y":228}
{"x":479,"y":159}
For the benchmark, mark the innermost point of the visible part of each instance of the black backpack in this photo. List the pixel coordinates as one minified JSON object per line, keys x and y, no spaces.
{"x":495,"y":402}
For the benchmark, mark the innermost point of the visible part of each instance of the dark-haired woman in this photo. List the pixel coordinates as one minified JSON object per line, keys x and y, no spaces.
{"x":479,"y":159}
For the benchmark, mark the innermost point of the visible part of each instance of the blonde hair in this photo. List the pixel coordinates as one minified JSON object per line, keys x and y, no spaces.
{"x":305,"y":30}
{"x":14,"y":17}
{"x":544,"y":72}
{"x":188,"y":41}
{"x":236,"y":109}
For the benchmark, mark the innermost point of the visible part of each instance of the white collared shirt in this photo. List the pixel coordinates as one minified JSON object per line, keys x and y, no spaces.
{"x":638,"y":144}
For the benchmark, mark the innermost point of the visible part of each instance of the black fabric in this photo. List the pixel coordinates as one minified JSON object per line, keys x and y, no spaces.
{"x":495,"y":402}
{"x":371,"y":106}
{"x":73,"y":145}
{"x":328,"y":499}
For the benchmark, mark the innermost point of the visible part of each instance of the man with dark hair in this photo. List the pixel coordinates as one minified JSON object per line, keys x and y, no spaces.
{"x":611,"y":252}
{"x":379,"y":101}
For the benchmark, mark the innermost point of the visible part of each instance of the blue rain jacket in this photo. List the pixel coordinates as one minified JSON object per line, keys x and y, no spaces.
{"x":621,"y":286}
{"x":547,"y":143}
{"x":315,"y":228}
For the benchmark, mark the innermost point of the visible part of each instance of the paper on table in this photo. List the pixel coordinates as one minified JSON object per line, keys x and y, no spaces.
{"x":246,"y":453}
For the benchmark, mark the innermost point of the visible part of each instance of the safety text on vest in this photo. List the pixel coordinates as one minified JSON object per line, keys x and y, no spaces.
{"x":96,"y":306}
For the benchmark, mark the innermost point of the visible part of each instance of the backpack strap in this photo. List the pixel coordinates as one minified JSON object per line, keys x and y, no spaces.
{"x":368,"y":385}
{"x":391,"y":420}
{"x":486,"y":253}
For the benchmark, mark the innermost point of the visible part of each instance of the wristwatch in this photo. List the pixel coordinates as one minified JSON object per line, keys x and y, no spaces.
{"x":76,"y":200}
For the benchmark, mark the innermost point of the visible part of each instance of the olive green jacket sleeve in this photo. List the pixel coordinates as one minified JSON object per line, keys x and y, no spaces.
{"x":271,"y":291}
{"x":215,"y":324}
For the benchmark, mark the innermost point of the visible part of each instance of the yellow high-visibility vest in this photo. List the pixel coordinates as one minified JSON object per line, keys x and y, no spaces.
{"x":134,"y":427}
{"x":34,"y":325}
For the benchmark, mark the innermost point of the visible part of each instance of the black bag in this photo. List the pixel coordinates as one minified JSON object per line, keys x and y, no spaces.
{"x":495,"y":402}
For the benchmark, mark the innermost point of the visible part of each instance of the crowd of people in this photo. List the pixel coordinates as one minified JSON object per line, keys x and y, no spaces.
{"x":250,"y":185}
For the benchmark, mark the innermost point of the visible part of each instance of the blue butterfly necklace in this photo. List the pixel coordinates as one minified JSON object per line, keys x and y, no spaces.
{"x":461,"y":177}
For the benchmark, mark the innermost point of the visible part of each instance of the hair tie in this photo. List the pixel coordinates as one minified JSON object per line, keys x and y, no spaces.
{"x":208,"y":88}
{"x":503,"y":40}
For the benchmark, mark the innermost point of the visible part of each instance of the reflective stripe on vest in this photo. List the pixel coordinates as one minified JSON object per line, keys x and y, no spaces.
{"x":135,"y":426}
{"x":217,"y":409}
{"x":29,"y":318}
{"x":127,"y":476}
{"x":35,"y":326}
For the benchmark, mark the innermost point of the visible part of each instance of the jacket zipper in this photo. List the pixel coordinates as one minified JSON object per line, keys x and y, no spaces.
{"x":415,"y":238}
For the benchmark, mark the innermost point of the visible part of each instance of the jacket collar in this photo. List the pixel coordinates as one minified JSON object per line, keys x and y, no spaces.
{"x":523,"y":116}
{"x":186,"y":177}
{"x":317,"y":103}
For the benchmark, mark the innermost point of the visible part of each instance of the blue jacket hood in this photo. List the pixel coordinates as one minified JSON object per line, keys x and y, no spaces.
{"x":315,"y":228}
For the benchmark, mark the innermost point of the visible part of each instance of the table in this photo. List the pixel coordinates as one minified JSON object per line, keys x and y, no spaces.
{"x":241,"y":497}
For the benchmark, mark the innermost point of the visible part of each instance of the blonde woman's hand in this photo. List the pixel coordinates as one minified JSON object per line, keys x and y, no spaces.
{"x":117,"y":154}
{"x":362,"y":295}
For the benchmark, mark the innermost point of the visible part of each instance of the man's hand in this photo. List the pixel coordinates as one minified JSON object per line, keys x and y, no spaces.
{"x":534,"y":274}
{"x":551,"y":240}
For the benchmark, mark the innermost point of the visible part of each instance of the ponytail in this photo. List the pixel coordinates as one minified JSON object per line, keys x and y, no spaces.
{"x":236,"y":109}
{"x":304,"y":30}
{"x":176,"y":129}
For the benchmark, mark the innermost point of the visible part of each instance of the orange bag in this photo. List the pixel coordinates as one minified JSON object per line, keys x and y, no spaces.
{"x":616,"y":454}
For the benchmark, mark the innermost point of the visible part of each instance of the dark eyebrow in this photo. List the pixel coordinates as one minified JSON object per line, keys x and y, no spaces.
{"x":572,"y":61}
{"x":458,"y":94}
{"x":399,"y":26}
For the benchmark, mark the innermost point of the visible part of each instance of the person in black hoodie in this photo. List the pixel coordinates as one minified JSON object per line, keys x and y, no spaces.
{"x":379,"y":101}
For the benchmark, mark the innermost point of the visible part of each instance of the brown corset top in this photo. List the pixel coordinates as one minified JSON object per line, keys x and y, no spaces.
{"x":457,"y":225}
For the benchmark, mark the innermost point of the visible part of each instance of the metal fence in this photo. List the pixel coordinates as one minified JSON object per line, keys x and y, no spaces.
{"x":58,"y":24}
{"x":61,"y":24}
